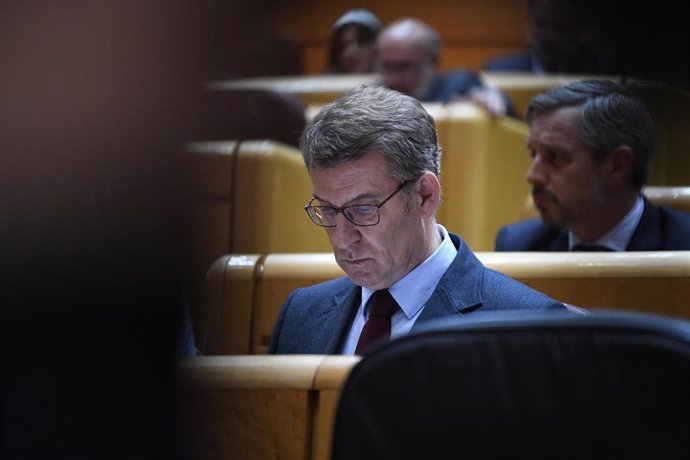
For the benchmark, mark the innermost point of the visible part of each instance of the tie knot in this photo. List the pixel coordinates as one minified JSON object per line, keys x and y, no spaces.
{"x":382,"y":304}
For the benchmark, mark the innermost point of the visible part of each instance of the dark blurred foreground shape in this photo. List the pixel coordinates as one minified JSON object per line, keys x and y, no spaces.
{"x":630,"y":39}
{"x":605,"y":385}
{"x":248,"y":114}
{"x":98,"y":100}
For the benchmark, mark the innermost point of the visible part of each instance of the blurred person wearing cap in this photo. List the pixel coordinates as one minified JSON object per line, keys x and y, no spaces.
{"x":353,"y":42}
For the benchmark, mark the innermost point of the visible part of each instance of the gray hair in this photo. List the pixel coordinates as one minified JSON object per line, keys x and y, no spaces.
{"x":374,"y":119}
{"x":610,"y":115}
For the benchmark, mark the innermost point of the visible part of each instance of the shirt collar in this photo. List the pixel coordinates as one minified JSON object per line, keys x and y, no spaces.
{"x":618,"y":238}
{"x":414,"y":289}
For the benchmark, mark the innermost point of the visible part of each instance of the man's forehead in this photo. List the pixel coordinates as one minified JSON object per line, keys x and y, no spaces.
{"x":566,"y":114}
{"x":558,"y":128}
{"x":356,"y":171}
{"x":402,"y":46}
{"x":560,"y":120}
{"x":366,"y":175}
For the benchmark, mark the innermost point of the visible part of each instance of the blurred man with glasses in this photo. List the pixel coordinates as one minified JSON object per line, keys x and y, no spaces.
{"x":374,"y":162}
{"x":409,"y":53}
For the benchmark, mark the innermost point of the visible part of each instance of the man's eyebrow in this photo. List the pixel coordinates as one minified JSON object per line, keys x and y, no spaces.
{"x":362,"y":196}
{"x":530,"y":144}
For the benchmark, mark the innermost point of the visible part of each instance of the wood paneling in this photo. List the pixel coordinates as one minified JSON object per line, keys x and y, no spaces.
{"x":471,"y":30}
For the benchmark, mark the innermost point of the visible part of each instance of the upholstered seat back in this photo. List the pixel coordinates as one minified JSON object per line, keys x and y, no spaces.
{"x":608,"y":385}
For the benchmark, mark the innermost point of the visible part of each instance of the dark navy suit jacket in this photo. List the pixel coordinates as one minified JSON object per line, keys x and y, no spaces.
{"x":317,"y":319}
{"x":659,"y":229}
{"x":520,"y":62}
{"x":455,"y":82}
{"x":459,"y":83}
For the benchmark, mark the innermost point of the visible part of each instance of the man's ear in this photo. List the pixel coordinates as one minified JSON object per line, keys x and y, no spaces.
{"x":621,"y":164}
{"x":428,"y":193}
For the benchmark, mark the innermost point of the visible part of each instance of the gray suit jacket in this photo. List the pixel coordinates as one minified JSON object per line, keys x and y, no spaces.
{"x":316,"y":319}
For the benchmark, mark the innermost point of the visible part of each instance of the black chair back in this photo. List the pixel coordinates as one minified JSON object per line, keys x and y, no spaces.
{"x":518,"y":385}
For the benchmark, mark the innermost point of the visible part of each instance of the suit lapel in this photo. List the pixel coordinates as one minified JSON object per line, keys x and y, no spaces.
{"x":647,"y":235}
{"x":459,"y":290}
{"x":331,"y":326}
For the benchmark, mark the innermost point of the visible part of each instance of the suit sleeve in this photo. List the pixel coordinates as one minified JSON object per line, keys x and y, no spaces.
{"x":499,"y":244}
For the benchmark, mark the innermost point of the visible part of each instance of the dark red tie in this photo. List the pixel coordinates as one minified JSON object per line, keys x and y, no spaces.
{"x":382,"y":305}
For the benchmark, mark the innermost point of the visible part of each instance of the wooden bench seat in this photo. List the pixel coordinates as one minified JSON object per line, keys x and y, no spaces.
{"x":246,"y":291}
{"x":673,"y":197}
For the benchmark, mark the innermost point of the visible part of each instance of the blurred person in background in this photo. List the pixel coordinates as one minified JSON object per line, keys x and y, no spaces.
{"x":353,"y":42}
{"x":409,"y":52}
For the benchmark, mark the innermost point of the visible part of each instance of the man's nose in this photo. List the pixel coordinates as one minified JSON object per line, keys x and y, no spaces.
{"x":344,"y":234}
{"x":535,"y":172}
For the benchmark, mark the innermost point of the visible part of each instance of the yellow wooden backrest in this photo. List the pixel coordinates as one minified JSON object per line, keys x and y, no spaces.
{"x":272,"y":188}
{"x":251,"y":197}
{"x":262,"y":407}
{"x":521,"y":87}
{"x":210,"y":173}
{"x":322,"y":89}
{"x":482,"y":175}
{"x":253,"y":287}
{"x":310,"y":89}
{"x":674,"y":197}
{"x":670,"y":107}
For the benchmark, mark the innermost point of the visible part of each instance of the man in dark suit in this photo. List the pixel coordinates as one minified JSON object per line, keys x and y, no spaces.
{"x":408,"y":52}
{"x":373,"y":159}
{"x":591,"y":144}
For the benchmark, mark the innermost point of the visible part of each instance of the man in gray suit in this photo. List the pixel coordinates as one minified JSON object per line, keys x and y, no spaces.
{"x":374,"y":162}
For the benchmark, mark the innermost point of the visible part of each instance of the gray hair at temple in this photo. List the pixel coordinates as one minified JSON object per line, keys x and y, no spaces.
{"x":611,"y":115}
{"x":374,"y":119}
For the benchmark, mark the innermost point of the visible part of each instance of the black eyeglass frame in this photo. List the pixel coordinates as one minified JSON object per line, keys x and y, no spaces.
{"x":309,"y":208}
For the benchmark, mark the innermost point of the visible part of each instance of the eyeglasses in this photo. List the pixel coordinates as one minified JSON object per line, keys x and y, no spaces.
{"x":362,"y":215}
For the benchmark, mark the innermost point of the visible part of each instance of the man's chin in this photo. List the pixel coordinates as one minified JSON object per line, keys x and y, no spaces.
{"x":363,"y":279}
{"x":552,"y":221}
{"x":359,"y":271}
